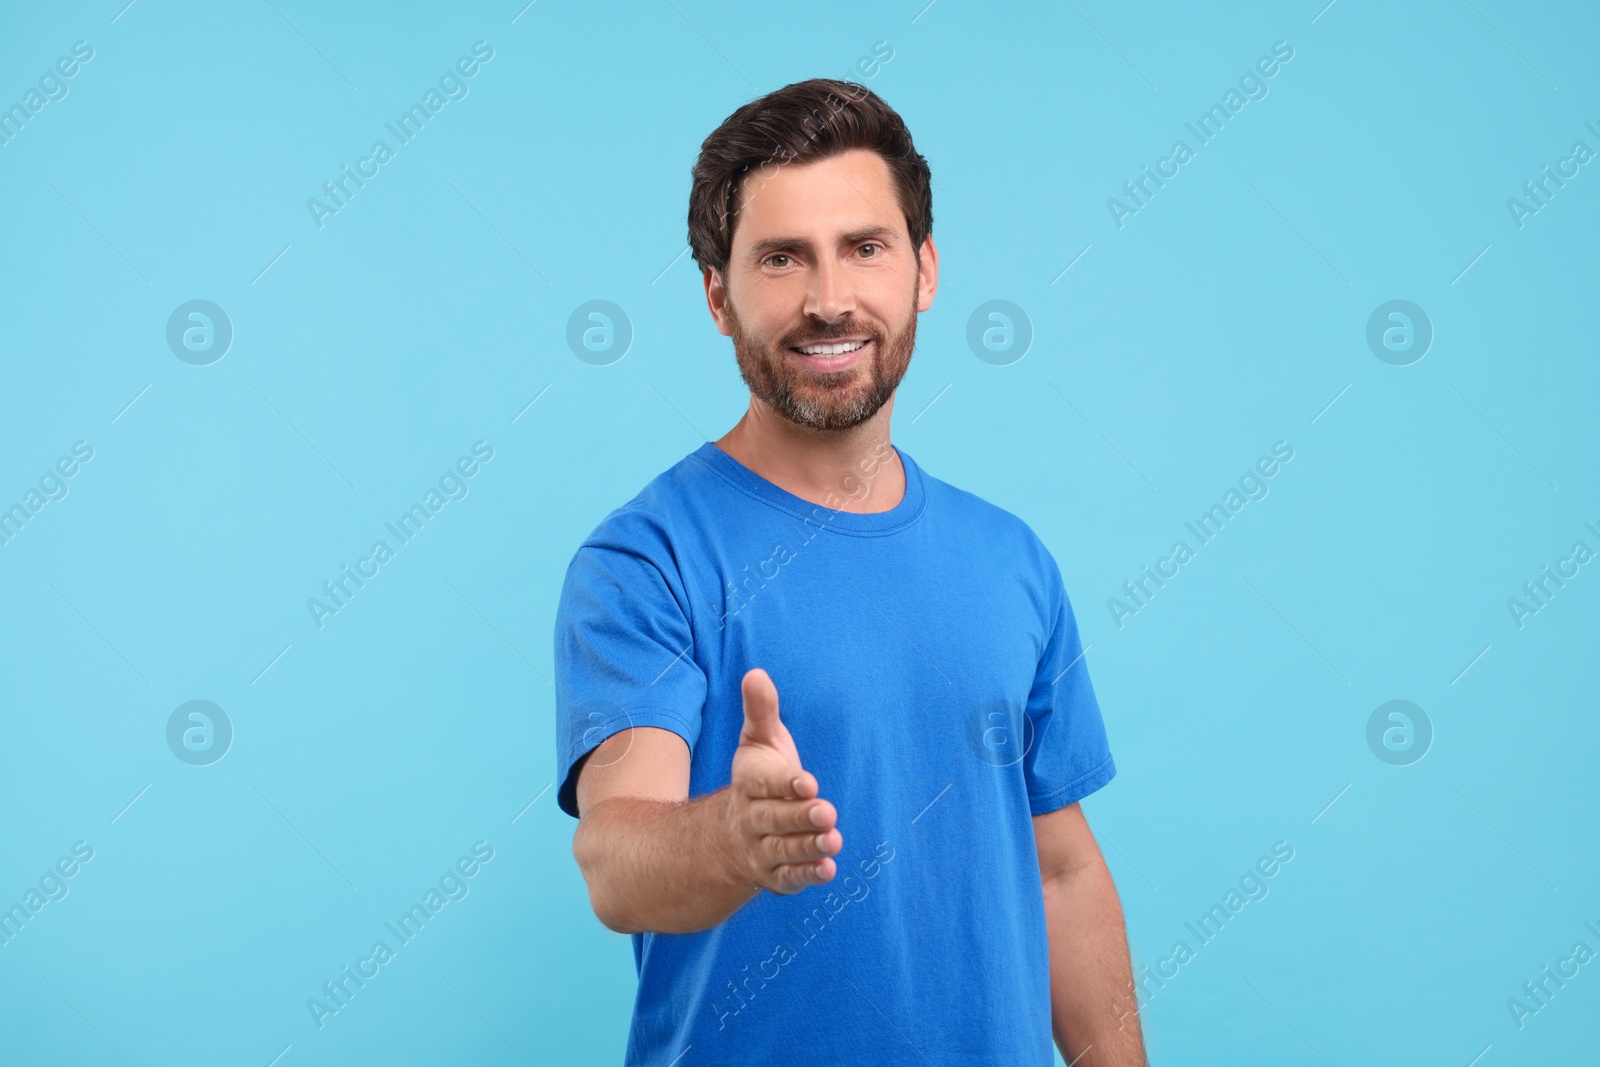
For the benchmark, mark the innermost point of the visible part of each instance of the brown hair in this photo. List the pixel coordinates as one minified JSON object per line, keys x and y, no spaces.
{"x":800,"y":123}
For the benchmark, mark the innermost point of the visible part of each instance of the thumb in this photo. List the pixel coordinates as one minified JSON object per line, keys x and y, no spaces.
{"x":761,"y":725}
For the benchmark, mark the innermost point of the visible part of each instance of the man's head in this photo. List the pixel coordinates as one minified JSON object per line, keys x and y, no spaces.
{"x":810,"y":217}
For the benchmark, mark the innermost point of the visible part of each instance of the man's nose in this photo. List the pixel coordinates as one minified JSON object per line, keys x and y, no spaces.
{"x":830,"y":294}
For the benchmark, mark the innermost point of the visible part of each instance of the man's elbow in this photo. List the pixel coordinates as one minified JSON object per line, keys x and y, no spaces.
{"x":589,"y":853}
{"x":1084,"y":870}
{"x":600,"y":903}
{"x":610,"y":918}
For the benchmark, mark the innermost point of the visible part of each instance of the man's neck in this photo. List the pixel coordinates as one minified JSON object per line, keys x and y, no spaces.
{"x":852,"y":470}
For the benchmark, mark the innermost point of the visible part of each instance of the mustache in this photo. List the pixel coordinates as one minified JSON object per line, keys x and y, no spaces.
{"x":832,"y":334}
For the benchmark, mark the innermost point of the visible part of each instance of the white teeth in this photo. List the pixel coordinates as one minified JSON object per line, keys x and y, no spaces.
{"x":832,"y":350}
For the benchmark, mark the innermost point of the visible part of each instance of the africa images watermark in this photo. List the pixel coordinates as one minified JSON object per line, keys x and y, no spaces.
{"x":783,"y":952}
{"x":338,"y":192}
{"x":52,"y":88}
{"x":52,"y":486}
{"x":1210,"y":123}
{"x":1252,"y":486}
{"x":1251,"y":886}
{"x":452,"y":485}
{"x":452,"y":886}
{"x":52,"y":887}
{"x":1541,"y":190}
{"x":1538,"y":592}
{"x":1538,"y":993}
{"x":738,"y":594}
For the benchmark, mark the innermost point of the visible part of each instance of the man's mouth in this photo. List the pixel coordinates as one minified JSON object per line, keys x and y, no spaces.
{"x":830,"y":348}
{"x":832,"y":355}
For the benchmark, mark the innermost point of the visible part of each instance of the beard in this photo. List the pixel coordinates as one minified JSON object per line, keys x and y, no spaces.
{"x":823,"y":400}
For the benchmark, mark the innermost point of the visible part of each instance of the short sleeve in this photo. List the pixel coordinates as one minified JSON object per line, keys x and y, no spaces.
{"x":623,"y":658}
{"x":1068,"y":757}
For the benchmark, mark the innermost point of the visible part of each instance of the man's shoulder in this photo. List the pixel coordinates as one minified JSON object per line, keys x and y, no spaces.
{"x":1001,"y":528}
{"x":644,"y":525}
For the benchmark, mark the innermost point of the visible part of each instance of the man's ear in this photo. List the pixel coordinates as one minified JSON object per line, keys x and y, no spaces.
{"x":717,"y":300}
{"x":927,"y":273}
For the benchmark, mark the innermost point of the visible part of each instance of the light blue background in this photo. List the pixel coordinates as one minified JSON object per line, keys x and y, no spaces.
{"x":1225,"y":316}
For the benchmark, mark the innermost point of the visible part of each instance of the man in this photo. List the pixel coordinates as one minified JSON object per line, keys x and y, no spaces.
{"x":887,"y":864}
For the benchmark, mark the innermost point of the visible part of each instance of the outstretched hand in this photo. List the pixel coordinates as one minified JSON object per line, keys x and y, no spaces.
{"x":785,"y":833}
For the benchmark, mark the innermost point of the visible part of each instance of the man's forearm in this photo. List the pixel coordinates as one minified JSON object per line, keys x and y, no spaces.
{"x":659,"y":866}
{"x":1094,"y":1012}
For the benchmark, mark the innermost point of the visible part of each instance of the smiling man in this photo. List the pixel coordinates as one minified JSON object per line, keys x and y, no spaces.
{"x":893,"y":868}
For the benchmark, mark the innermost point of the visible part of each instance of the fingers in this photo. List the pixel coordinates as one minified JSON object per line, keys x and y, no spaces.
{"x":760,"y":709}
{"x":792,"y":816}
{"x":791,"y":878}
{"x":789,"y":843}
{"x":797,"y":861}
{"x":782,"y":849}
{"x":775,"y":780}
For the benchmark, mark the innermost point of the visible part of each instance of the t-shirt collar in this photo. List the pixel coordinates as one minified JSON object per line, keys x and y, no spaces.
{"x":749,"y":482}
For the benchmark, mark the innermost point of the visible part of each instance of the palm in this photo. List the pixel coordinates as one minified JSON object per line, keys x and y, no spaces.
{"x":784,"y":829}
{"x":775,"y":756}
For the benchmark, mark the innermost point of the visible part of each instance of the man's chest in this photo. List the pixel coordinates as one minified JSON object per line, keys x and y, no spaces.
{"x":874,"y":649}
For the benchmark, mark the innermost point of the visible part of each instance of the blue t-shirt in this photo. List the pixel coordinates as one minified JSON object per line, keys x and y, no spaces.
{"x":929,"y":669}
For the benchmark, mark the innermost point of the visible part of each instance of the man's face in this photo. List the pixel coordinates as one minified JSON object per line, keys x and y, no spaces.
{"x":821,"y":255}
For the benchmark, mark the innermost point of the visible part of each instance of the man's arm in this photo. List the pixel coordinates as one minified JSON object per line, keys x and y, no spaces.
{"x":1093,"y":1010}
{"x":652,"y":859}
{"x":656,"y":861}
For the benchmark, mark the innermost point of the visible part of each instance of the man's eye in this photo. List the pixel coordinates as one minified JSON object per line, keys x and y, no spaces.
{"x":869,"y":245}
{"x":776,"y":255}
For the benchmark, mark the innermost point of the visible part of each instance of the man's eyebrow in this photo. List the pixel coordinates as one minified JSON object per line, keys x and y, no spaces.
{"x":762,"y":249}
